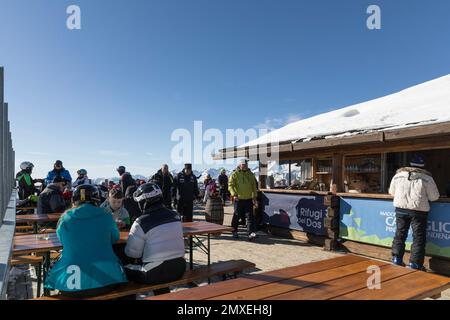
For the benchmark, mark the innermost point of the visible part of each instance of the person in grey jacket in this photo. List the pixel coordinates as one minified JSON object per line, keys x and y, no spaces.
{"x":155,"y":243}
{"x":413,"y":188}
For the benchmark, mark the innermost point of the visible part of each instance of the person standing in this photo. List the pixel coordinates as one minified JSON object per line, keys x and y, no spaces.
{"x":223,"y":185}
{"x":413,"y":188}
{"x":126,"y":179}
{"x":242,"y":186}
{"x":186,"y":190}
{"x":26,"y":183}
{"x":59,"y":170}
{"x":164,"y":179}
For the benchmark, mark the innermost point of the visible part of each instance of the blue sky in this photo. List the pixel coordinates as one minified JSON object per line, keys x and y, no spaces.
{"x":113,"y":92}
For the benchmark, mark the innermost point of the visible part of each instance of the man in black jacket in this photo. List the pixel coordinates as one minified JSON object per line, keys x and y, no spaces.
{"x":126,"y":179}
{"x":223,"y":183}
{"x":164,"y":180}
{"x":186,"y":190}
{"x":51,"y":200}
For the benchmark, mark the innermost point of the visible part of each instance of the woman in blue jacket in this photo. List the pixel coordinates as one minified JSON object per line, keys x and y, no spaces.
{"x":88,"y":265}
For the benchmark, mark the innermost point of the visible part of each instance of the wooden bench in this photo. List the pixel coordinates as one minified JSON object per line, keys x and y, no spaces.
{"x":31,"y":259}
{"x":233,"y":267}
{"x":24,"y":228}
{"x":27,"y":259}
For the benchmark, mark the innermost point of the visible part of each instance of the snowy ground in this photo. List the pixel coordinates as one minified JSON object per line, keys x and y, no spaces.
{"x":267,"y":252}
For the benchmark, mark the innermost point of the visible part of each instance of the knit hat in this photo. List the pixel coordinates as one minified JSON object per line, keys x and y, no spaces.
{"x":417,"y":161}
{"x":243,"y":161}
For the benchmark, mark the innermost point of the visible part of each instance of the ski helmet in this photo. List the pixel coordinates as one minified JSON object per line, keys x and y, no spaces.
{"x":26,"y":165}
{"x":82,"y":172}
{"x":148,"y":195}
{"x":86,"y":193}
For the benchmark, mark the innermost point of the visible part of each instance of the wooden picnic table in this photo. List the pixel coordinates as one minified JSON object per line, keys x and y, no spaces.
{"x":35,"y":219}
{"x":44,"y":243}
{"x":342,"y":278}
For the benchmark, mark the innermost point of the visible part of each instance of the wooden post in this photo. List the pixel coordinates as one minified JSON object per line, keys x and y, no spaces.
{"x":262,"y":174}
{"x":290,"y":174}
{"x":338,"y":162}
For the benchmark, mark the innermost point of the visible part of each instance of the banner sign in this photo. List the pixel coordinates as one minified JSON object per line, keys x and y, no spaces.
{"x":373,"y":221}
{"x":295,"y":211}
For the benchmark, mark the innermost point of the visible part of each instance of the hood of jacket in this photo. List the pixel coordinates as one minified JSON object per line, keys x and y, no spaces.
{"x":413,"y":173}
{"x":85,"y":211}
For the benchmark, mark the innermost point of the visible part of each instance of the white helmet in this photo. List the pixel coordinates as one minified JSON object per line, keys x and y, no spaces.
{"x":26,"y":165}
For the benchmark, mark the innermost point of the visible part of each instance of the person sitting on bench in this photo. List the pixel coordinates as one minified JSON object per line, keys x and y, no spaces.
{"x":88,"y":265}
{"x":155,"y":242}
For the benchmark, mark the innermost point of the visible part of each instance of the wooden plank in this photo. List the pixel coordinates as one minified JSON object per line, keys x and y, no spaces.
{"x":334,"y":288}
{"x":131,"y":288}
{"x":293,"y":284}
{"x":418,"y":285}
{"x":256,"y":280}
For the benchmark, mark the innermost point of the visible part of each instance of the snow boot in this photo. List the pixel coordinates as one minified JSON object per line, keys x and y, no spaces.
{"x":397,"y":261}
{"x":416,"y":266}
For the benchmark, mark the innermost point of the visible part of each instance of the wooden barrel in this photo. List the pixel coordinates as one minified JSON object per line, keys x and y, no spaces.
{"x":214,"y":210}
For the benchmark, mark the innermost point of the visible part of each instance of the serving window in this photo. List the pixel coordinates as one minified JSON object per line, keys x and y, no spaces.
{"x":364,"y":174}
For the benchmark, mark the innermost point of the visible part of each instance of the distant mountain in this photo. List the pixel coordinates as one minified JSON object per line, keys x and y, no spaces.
{"x":279,"y":173}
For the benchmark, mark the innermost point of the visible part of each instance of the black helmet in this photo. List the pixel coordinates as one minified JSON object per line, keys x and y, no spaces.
{"x":121,"y":170}
{"x":86,"y":193}
{"x":148,"y":195}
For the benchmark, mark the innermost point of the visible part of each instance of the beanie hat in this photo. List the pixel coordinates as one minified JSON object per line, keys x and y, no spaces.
{"x":417,"y":161}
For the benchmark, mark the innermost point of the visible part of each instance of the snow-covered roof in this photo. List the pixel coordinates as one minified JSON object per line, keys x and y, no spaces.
{"x":422,"y":104}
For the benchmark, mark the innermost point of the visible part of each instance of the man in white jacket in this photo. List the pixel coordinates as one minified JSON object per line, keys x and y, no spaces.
{"x":413,"y":188}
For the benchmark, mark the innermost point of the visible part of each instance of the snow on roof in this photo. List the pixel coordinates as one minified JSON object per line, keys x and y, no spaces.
{"x":422,"y":104}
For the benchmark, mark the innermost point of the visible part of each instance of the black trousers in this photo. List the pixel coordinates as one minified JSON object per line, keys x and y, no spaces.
{"x":224,"y":194}
{"x":168,"y":271}
{"x":167,"y":196}
{"x":186,"y":208}
{"x":418,"y":223}
{"x":243,"y":209}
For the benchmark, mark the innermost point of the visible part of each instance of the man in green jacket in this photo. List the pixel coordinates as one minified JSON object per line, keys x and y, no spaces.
{"x":242,"y":187}
{"x":26,"y":183}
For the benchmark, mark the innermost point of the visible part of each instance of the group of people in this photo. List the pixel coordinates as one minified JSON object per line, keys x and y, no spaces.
{"x":92,"y":220}
{"x":154,"y":251}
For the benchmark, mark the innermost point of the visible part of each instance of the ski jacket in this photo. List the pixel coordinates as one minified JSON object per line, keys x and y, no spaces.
{"x":413,"y":189}
{"x":62,"y":173}
{"x":51,"y":200}
{"x":242,"y":184}
{"x":79,"y":182}
{"x":186,"y":187}
{"x":26,"y":184}
{"x":87,"y":234}
{"x":155,"y":237}
{"x":121,"y":213}
{"x":165,"y":182}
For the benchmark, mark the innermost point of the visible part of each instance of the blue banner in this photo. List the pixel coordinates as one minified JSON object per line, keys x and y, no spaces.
{"x":373,"y":221}
{"x":295,"y":211}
